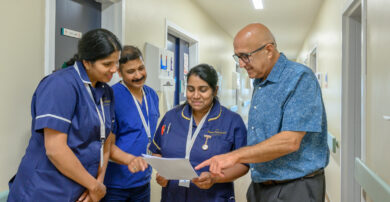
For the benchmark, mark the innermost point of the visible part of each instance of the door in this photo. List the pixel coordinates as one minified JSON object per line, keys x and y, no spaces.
{"x":181,"y":50}
{"x":77,"y":15}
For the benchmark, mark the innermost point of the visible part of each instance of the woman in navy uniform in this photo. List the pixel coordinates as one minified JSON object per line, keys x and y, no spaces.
{"x":72,"y":114}
{"x":198,"y":130}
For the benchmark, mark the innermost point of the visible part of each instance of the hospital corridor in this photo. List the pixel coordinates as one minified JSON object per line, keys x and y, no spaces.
{"x":195,"y":100}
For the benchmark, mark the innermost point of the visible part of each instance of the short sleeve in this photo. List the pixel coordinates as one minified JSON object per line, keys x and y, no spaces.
{"x":114,"y":123}
{"x":240,"y":133}
{"x":155,"y":145}
{"x":55,"y":102}
{"x":304,"y":108}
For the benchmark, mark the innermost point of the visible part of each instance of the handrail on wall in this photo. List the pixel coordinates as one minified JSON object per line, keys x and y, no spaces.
{"x":375,"y":187}
{"x":4,"y":196}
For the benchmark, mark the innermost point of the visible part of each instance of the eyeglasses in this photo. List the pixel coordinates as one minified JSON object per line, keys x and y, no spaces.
{"x":245,"y":56}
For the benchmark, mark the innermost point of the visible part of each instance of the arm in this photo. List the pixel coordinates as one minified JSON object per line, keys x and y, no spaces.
{"x":232,"y":173}
{"x":277,"y":146}
{"x":102,"y":170}
{"x":106,"y":155}
{"x":135,"y":164}
{"x":63,"y":158}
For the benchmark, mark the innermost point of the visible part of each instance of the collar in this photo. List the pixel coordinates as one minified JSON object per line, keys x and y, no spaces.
{"x":98,"y":91}
{"x":81,"y":72}
{"x":214,"y":114}
{"x":276,"y":71}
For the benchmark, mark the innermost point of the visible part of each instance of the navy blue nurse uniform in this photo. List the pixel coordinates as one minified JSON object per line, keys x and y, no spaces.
{"x":227,"y":132}
{"x":62,"y":102}
{"x":131,"y":136}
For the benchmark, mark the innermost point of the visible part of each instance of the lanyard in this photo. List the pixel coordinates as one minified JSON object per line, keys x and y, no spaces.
{"x":102,"y":119}
{"x":146,"y":126}
{"x":190,"y":142}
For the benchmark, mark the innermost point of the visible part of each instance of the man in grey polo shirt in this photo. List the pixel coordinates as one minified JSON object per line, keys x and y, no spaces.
{"x":287,"y":129}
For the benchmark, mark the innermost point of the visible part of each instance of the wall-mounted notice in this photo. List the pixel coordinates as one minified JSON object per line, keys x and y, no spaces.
{"x":71,"y":33}
{"x":185,"y":71}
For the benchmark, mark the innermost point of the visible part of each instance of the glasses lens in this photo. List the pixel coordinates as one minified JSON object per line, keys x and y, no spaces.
{"x":244,"y":58}
{"x":236,"y":58}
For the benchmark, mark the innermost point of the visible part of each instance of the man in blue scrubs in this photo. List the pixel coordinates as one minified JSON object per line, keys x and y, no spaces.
{"x":287,"y":129}
{"x":137,"y":113}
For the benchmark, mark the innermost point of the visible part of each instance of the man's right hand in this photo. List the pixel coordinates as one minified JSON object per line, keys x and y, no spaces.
{"x":161,"y":180}
{"x":218,"y":163}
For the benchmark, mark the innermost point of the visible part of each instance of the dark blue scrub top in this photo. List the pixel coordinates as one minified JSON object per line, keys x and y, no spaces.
{"x":61,"y":102}
{"x":131,"y":136}
{"x":227,"y":131}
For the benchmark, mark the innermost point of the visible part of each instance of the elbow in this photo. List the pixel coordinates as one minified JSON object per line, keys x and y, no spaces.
{"x":51,"y":153}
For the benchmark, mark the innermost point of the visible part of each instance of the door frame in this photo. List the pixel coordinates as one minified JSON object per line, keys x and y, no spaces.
{"x":177,"y":31}
{"x":353,"y":133}
{"x":111,"y":12}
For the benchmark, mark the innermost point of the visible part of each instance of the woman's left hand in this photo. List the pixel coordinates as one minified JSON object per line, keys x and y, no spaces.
{"x":204,"y":181}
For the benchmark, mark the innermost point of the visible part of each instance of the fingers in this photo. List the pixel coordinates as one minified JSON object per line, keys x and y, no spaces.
{"x":161,"y":180}
{"x":83,"y":196}
{"x":203,"y":177}
{"x":204,"y":181}
{"x":87,"y":199}
{"x":203,"y":164}
{"x":216,"y":168}
{"x":137,"y":164}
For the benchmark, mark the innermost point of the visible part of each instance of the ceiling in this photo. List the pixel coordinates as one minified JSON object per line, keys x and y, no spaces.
{"x":288,"y":20}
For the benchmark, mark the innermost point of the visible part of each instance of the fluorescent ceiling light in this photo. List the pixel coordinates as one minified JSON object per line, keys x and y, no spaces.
{"x":258,"y":4}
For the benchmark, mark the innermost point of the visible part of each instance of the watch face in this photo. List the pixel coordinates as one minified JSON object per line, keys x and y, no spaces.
{"x":205,"y":147}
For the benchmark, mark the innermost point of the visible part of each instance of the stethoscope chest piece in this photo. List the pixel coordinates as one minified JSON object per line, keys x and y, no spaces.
{"x":205,"y":146}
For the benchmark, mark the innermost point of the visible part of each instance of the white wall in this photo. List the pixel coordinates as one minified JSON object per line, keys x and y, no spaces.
{"x":22,"y":67}
{"x":378,"y":88}
{"x":145,"y":22}
{"x":327,"y":36}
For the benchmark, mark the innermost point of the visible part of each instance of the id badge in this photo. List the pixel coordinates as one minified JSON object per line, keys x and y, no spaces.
{"x":101,"y":153}
{"x":184,"y":183}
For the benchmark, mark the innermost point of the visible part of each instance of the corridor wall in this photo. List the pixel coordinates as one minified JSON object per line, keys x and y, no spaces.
{"x":378,"y":88}
{"x":22,"y":67}
{"x":145,"y":21}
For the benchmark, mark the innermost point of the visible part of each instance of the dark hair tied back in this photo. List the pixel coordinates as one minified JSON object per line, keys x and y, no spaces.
{"x":207,"y":73}
{"x":94,"y":45}
{"x":72,"y":60}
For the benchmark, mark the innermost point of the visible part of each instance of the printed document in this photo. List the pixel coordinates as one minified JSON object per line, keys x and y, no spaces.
{"x":172,"y":168}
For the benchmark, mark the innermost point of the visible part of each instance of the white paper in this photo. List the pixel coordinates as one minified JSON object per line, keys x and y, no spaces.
{"x":172,"y":168}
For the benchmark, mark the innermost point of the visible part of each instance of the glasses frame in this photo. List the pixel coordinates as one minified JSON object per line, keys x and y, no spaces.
{"x":245,"y":56}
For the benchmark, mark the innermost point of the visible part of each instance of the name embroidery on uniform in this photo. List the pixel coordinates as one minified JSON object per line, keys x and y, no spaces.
{"x":217,"y":132}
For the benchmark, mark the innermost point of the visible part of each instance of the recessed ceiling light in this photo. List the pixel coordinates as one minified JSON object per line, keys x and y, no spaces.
{"x":258,"y":4}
